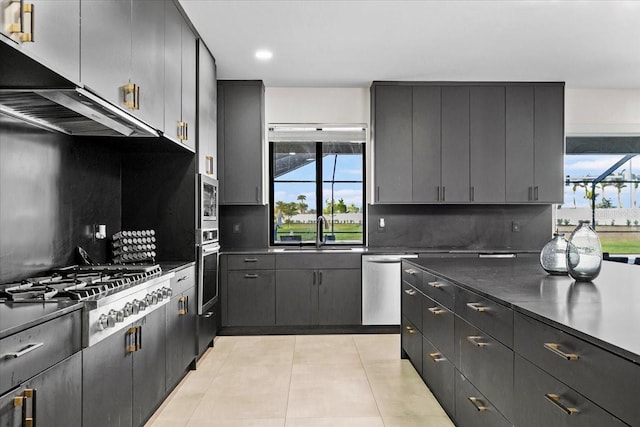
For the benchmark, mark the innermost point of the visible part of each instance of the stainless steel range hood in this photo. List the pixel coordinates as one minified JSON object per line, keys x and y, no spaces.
{"x":38,"y":95}
{"x":71,"y":111}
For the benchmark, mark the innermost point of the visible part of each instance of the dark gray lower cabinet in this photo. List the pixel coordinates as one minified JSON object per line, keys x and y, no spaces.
{"x":412,"y":343}
{"x":123,"y":389}
{"x":439,"y":374}
{"x":473,"y":409}
{"x":57,"y":396}
{"x":542,"y":400}
{"x":181,"y":338}
{"x":296,"y":297}
{"x":251,"y":298}
{"x":339,"y":297}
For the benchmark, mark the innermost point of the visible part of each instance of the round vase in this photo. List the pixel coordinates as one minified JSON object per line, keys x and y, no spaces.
{"x":553,"y":257}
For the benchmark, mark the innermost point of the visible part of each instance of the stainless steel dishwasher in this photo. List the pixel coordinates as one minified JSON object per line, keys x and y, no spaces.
{"x":381,"y":281}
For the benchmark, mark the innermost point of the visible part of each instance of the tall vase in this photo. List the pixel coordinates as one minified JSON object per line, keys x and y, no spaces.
{"x":584,"y":253}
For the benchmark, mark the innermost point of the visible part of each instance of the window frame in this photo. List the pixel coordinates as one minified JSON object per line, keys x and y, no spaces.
{"x":319,"y":202}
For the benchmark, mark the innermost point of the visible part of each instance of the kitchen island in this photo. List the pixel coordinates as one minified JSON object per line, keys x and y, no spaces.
{"x":515,"y":346}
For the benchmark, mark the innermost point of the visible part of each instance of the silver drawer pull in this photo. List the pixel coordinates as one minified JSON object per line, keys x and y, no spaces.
{"x":410,"y":292}
{"x":251,"y":276}
{"x":251,"y":260}
{"x":477,"y":307}
{"x":555,"y":400}
{"x":411,"y":271}
{"x":478,"y":404}
{"x":555,"y":349}
{"x":435,"y":284}
{"x":437,"y":311}
{"x":475,"y":341}
{"x":436,"y":357}
{"x":29,"y":348}
{"x":183,"y":278}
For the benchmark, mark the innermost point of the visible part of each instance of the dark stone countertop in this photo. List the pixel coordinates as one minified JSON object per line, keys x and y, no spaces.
{"x":363,"y":250}
{"x":605,"y":312}
{"x":18,"y":316}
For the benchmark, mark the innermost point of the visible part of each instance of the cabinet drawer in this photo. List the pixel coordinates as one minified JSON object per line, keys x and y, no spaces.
{"x":412,"y":344}
{"x":318,"y":261}
{"x":487,"y":364}
{"x":493,"y":318}
{"x":440,"y":290}
{"x":603,"y":377}
{"x":542,"y":400}
{"x":473,"y":409}
{"x":251,"y":262}
{"x":411,"y":300}
{"x":439,"y":374}
{"x":411,"y":274}
{"x":183,"y":280}
{"x":38,"y":348}
{"x":437,"y":326}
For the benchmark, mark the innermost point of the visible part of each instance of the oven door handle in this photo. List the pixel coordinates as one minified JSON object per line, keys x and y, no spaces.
{"x":216,"y":248}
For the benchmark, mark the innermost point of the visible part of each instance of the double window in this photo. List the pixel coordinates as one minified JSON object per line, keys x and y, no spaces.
{"x":315,"y":171}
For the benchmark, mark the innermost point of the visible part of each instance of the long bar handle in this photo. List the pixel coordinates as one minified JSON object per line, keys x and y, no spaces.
{"x":410,"y":329}
{"x":130,"y":340}
{"x":181,"y":306}
{"x":555,"y":400}
{"x":29,"y":348}
{"x":555,"y":349}
{"x":183,"y":278}
{"x":209,"y":165}
{"x":475,"y":341}
{"x":250,"y":276}
{"x":437,"y":311}
{"x":16,"y":27}
{"x":251,"y":260}
{"x":435,"y":284}
{"x":478,"y":404}
{"x":138,"y":338}
{"x":477,"y":307}
{"x":411,"y":271}
{"x":410,"y":292}
{"x":31,"y":10}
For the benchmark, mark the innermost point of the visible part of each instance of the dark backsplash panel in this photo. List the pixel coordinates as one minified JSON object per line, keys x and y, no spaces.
{"x":53,"y":189}
{"x":244,"y":227}
{"x":461,"y":227}
{"x":158,"y":192}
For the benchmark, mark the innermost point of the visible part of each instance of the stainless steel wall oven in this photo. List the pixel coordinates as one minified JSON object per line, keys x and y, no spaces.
{"x":208,"y":243}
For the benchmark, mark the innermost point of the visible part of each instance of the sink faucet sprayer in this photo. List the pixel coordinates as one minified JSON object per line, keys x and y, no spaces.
{"x":319,"y":222}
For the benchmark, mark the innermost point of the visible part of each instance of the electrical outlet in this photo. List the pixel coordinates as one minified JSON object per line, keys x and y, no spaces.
{"x":236,"y":228}
{"x":515,"y":226}
{"x":381,"y":224}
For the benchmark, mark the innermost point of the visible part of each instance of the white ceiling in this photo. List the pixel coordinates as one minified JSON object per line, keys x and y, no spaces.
{"x":587,"y":44}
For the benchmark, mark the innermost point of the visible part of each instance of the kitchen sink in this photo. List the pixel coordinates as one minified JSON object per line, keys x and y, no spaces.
{"x":321,"y":249}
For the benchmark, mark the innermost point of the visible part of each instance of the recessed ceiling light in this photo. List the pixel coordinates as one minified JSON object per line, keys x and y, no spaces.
{"x":264,"y":54}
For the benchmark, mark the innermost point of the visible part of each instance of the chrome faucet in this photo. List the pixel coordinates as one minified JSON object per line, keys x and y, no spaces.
{"x":319,"y":222}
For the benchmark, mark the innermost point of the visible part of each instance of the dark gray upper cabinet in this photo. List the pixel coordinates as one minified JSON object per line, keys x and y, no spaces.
{"x":179,"y":79}
{"x":468,"y":142}
{"x":392,"y":144}
{"x":54,"y":38}
{"x":426,"y":144}
{"x":487,"y":144}
{"x":207,"y":112}
{"x":455,"y":145}
{"x":535,"y":143}
{"x":240,"y":141}
{"x":121,"y":55}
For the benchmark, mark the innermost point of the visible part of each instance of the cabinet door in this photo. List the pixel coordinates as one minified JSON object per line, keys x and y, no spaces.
{"x":549,"y":144}
{"x":10,"y":414}
{"x":148,"y":367}
{"x":207,"y":112}
{"x":172,"y":71}
{"x":439,"y":374}
{"x":426,"y":144}
{"x":393,"y":144}
{"x":56,"y":36}
{"x":339,"y":297}
{"x":487,"y":149}
{"x":188,"y":93}
{"x":59,"y":391}
{"x":105,"y":56}
{"x":188,"y":328}
{"x":251,"y":298}
{"x":297,"y":297}
{"x":519,"y":143}
{"x":241,"y":142}
{"x":107,"y":383}
{"x":173,"y":350}
{"x":455,"y":144}
{"x":147,"y":59}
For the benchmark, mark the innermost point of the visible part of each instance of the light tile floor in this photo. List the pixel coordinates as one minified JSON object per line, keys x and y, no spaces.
{"x":302,"y":381}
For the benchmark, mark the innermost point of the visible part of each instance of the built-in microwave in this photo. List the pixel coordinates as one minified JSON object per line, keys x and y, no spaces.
{"x":208,"y":202}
